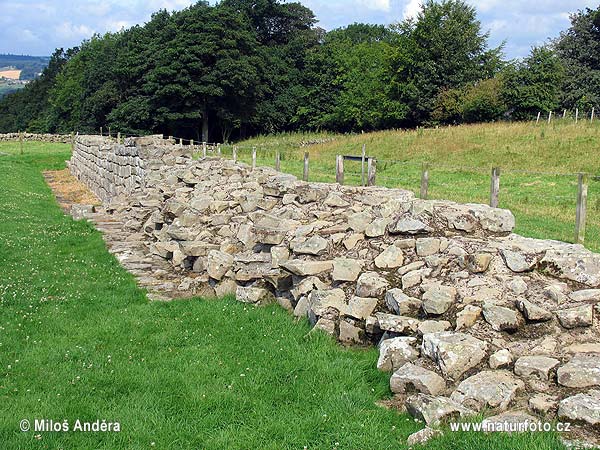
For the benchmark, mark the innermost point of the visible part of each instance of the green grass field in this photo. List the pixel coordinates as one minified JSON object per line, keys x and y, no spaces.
{"x":79,"y":340}
{"x":538,"y":167}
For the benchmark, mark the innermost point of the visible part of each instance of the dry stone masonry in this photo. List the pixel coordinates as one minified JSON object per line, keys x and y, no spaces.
{"x":468,"y":316}
{"x":56,"y":138}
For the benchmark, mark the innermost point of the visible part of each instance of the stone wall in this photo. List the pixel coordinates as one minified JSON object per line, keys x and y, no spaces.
{"x":110,"y":169}
{"x":467,"y":315}
{"x":58,"y":138}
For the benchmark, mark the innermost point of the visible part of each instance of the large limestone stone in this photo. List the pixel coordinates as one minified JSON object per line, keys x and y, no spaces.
{"x":320,"y":301}
{"x":532,"y":312}
{"x":218,"y":264}
{"x":438,"y":299}
{"x":390,"y":258}
{"x":306,"y":268}
{"x":395,"y":352}
{"x":410,"y":378}
{"x":407,"y":226}
{"x":315,"y":245}
{"x":488,"y":389}
{"x":350,"y":334}
{"x":518,"y":262}
{"x":251,"y":294}
{"x":581,"y":316}
{"x":501,"y":359}
{"x":584,"y":407}
{"x":435,"y":410}
{"x":502,"y":318}
{"x":377,"y":228}
{"x":467,"y":317}
{"x":454,"y":353}
{"x":581,"y":372}
{"x":360,"y":307}
{"x":478,"y":262}
{"x":371,"y":284}
{"x":345,"y":269}
{"x":402,"y":304}
{"x":397,"y":324}
{"x":536,"y":366}
{"x":358,"y":222}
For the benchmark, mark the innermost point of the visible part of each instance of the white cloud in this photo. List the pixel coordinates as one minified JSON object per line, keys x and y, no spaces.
{"x":412,"y":9}
{"x":68,"y":31}
{"x":380,"y":5}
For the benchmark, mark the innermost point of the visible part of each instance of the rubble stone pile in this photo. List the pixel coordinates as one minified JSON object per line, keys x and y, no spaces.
{"x":468,"y":316}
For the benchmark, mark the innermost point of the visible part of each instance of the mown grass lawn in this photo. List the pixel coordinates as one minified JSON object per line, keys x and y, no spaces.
{"x":79,"y":340}
{"x":531,"y":157}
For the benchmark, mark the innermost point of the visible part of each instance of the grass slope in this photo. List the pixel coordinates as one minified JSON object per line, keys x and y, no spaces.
{"x":79,"y":340}
{"x":461,"y":159}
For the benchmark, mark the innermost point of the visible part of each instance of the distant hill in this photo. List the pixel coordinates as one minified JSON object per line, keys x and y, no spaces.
{"x":30,"y":66}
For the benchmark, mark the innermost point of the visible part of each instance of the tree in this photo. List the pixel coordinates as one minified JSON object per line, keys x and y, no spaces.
{"x":533,"y":84}
{"x":579,"y":50}
{"x":444,"y":48}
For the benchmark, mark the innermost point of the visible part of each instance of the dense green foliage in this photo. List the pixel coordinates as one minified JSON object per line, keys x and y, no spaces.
{"x":244,"y":67}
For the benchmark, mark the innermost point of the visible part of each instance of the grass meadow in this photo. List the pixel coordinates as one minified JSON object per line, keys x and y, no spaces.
{"x":79,"y":340}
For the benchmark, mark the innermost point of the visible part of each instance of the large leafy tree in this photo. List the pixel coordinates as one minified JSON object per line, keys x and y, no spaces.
{"x":444,"y":48}
{"x":579,"y":49}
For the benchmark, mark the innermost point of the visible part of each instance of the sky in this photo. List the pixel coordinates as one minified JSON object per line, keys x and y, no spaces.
{"x":37,"y":27}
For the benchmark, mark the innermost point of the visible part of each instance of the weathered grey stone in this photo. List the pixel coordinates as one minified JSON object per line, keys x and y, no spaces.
{"x":438,"y":299}
{"x":305,"y":268}
{"x":397,"y":324}
{"x":433,"y":326}
{"x":401,"y":304}
{"x":586,"y":295}
{"x":390,"y":258}
{"x":581,"y":266}
{"x":454,"y":353}
{"x":315,"y":245}
{"x":428,"y":246}
{"x":218,"y":264}
{"x":422,"y":436}
{"x":536,"y":366}
{"x":325,"y":325}
{"x":345,"y":269}
{"x":371,"y":284}
{"x":251,"y":294}
{"x":543,"y":404}
{"x":581,"y":316}
{"x":377,"y":228}
{"x":581,"y":372}
{"x":435,"y":410}
{"x":350,"y":334}
{"x":360,"y":307}
{"x":467,"y":317}
{"x":410,"y":378}
{"x":407,"y":226}
{"x":359,"y":221}
{"x":518,"y":262}
{"x":352,"y":240}
{"x":501,"y":359}
{"x":501,"y":318}
{"x":533,"y":313}
{"x":395,"y":352}
{"x":488,"y":389}
{"x":584,"y":407}
{"x":518,"y":286}
{"x":320,"y":301}
{"x":510,"y":421}
{"x":478,"y":262}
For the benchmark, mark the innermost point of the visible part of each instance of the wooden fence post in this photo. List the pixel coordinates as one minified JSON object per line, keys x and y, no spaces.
{"x":109,"y":132}
{"x":235,"y":149}
{"x":253,"y":158}
{"x":495,"y":187}
{"x":119,"y":137}
{"x":580,"y":217}
{"x":101,"y":134}
{"x":339,"y":169}
{"x":305,"y":171}
{"x":371,"y":171}
{"x":277,"y":161}
{"x":564,"y":113}
{"x":538,"y":117}
{"x":362,"y":165}
{"x":204,"y":149}
{"x":576,"y":115}
{"x":592,"y":118}
{"x":424,"y":181}
{"x":219,"y":149}
{"x":549,"y":116}
{"x":21,"y":142}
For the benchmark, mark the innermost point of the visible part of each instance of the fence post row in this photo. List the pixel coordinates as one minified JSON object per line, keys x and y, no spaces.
{"x":424,"y":181}
{"x":253,"y":158}
{"x":235,"y":150}
{"x":371,"y":171}
{"x":495,"y":187}
{"x":339,"y":169}
{"x":305,"y":171}
{"x":277,"y":161}
{"x":204,"y":149}
{"x":580,"y":217}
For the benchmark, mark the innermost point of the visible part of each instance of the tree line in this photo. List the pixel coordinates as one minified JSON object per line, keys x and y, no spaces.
{"x":243,"y":67}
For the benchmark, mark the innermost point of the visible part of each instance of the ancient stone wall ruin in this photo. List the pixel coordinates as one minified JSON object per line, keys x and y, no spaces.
{"x":467,"y":315}
{"x":27,"y":137}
